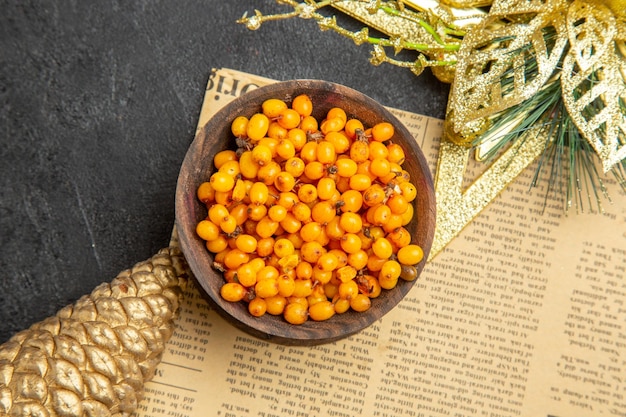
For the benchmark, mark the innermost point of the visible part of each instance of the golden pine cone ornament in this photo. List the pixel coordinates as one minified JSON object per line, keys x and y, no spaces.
{"x":93,"y":357}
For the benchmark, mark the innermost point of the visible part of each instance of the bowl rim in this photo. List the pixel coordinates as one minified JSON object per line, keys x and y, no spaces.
{"x":274,"y":328}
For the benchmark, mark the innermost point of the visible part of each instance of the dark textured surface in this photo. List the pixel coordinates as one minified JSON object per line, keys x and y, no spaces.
{"x":98,"y":104}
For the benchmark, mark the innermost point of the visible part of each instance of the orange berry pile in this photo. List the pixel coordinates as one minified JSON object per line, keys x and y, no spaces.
{"x":307,"y":218}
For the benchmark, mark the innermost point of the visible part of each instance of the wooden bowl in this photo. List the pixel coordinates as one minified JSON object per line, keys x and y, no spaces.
{"x":198,"y":166}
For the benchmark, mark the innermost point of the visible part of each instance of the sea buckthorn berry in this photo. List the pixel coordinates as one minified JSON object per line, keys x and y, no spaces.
{"x":397,"y":203}
{"x":233,"y":292}
{"x":314,"y":170}
{"x":321,"y":277}
{"x":304,"y":270}
{"x":271,"y":143}
{"x":217,"y":213}
{"x":224,"y":156}
{"x":262,"y":154}
{"x":333,"y":230}
{"x":387,"y":283}
{"x":380,"y":214}
{"x":272,"y":107}
{"x":287,"y":199}
{"x":408,"y":273}
{"x":322,"y":311}
{"x":266,"y":227}
{"x":289,"y":118}
{"x":257,"y":126}
{"x":268,"y":173}
{"x":380,"y":167}
{"x":348,"y":289}
{"x":327,"y":262}
{"x":285,"y":149}
{"x":290,"y":224}
{"x":360,"y":182}
{"x":275,"y":305}
{"x":382,"y":248}
{"x":256,"y":211}
{"x":323,"y":212}
{"x":284,"y":181}
{"x":294,"y":166}
{"x":393,"y":224}
{"x":360,"y":303}
{"x":309,"y":124}
{"x":246,"y":275}
{"x":374,"y":263}
{"x":220,"y":181}
{"x":352,"y":126}
{"x":311,"y":251}
{"x":266,"y":288}
{"x":350,"y":243}
{"x":390,"y":270}
{"x":373,"y":286}
{"x":217,"y":245}
{"x":267,"y":272}
{"x":224,"y":198}
{"x":308,"y":153}
{"x":395,"y":153}
{"x":257,"y":307}
{"x":265,"y":246}
{"x":302,"y":104}
{"x":409,"y":192}
{"x":301,"y":211}
{"x":283,"y":247}
{"x":334,"y":124}
{"x":277,"y":213}
{"x":246,"y":243}
{"x":325,"y":152}
{"x":342,"y":305}
{"x":248,"y":166}
{"x":359,"y":151}
{"x":382,"y":131}
{"x":310,"y":231}
{"x":258,"y":193}
{"x":351,"y":201}
{"x":276,"y":131}
{"x":374,"y":195}
{"x":307,"y":193}
{"x":205,"y":192}
{"x":358,"y":259}
{"x":286,"y":285}
{"x":351,"y":222}
{"x":230,"y":167}
{"x":302,"y":288}
{"x":297,"y":137}
{"x":337,"y":112}
{"x":207,"y":230}
{"x":295,"y":313}
{"x":346,"y":167}
{"x":235,"y":258}
{"x":239,"y":127}
{"x":339,"y":140}
{"x":325,"y":188}
{"x":410,"y":254}
{"x":378,"y":150}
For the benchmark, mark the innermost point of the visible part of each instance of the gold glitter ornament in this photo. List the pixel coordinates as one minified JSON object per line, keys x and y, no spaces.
{"x":93,"y":357}
{"x":592,"y":79}
{"x":522,"y":46}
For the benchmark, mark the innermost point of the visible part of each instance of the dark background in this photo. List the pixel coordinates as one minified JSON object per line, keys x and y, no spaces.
{"x":98,"y":104}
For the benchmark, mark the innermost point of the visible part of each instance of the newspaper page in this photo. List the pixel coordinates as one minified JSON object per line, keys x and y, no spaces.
{"x":523,"y":314}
